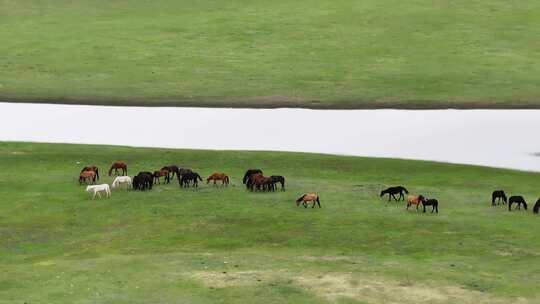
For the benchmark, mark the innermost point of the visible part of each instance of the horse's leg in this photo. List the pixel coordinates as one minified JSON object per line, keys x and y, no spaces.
{"x":417,"y":207}
{"x":313,"y":206}
{"x":425,"y":208}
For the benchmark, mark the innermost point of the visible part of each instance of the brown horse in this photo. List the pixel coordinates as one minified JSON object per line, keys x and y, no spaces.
{"x":118,"y":165}
{"x":259,"y":182}
{"x":91,"y":168}
{"x":309,"y":197}
{"x":218,"y":176}
{"x":414,"y":200}
{"x":161,"y":173}
{"x":86,"y":177}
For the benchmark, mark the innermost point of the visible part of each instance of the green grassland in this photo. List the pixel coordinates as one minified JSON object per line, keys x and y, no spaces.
{"x":316,"y":54}
{"x":228,"y":245}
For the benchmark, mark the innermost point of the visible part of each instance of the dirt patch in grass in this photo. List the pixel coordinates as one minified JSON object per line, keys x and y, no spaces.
{"x":341,"y":285}
{"x":215,"y":279}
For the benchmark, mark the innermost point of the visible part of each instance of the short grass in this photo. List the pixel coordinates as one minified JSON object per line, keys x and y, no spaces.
{"x":227,"y":245}
{"x":318,"y":54}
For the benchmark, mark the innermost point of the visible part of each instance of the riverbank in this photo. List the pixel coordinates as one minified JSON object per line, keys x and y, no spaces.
{"x":311,"y":54}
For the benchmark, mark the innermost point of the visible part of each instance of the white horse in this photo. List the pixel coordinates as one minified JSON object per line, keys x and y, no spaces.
{"x":122,"y":180}
{"x":96,"y":189}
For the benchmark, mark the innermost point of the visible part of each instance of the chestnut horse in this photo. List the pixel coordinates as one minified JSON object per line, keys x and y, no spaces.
{"x":161,"y":173}
{"x":218,"y":176}
{"x":91,"y":168}
{"x":309,"y":197}
{"x":87,"y":176}
{"x":259,"y":182}
{"x":118,"y":165}
{"x":414,"y":200}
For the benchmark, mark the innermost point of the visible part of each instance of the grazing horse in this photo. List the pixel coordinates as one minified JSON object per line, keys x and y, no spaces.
{"x":96,"y":189}
{"x":249,"y":173}
{"x":431,"y":202}
{"x":218,"y":176}
{"x":309,"y":197}
{"x":536,"y":206}
{"x":118,"y":165}
{"x":87,"y":176}
{"x":518,"y":199}
{"x":91,"y":168}
{"x":119,"y":180}
{"x":162,"y":173}
{"x":498,"y":195}
{"x":173,"y":169}
{"x":392,"y":191}
{"x":414,"y":200}
{"x":190,"y":177}
{"x":143,"y":181}
{"x":278,"y":179}
{"x":259,"y":182}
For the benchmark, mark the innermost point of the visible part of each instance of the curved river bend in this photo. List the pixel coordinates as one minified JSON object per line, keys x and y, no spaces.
{"x":498,"y":138}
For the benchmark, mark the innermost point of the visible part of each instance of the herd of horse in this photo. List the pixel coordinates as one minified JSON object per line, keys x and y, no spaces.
{"x":416,"y":200}
{"x":255,"y":180}
{"x":145,"y":180}
{"x":499,"y":197}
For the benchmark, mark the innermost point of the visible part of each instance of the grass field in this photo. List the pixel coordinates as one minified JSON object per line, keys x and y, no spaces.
{"x":216,"y":245}
{"x":317,"y":54}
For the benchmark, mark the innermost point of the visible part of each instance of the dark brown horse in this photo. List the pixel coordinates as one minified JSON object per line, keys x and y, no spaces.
{"x":118,"y":165}
{"x":91,"y":168}
{"x":173,"y":169}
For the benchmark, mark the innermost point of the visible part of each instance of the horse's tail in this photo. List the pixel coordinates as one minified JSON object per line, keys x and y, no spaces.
{"x":300,"y":198}
{"x":318,"y":201}
{"x":97,"y":173}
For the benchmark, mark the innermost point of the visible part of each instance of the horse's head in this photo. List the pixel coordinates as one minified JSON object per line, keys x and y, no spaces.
{"x":382,"y":193}
{"x":88,"y":188}
{"x":421,"y":198}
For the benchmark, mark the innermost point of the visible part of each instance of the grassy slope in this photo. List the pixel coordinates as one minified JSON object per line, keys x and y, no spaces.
{"x":338,"y":54}
{"x":172,"y":246}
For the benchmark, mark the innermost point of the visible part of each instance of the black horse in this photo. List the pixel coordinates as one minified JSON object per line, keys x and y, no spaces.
{"x":249,"y":173}
{"x":392,"y":191}
{"x":536,"y":206}
{"x":498,"y":195}
{"x":278,"y":179}
{"x":518,"y":199}
{"x":431,"y":202}
{"x":143,"y":181}
{"x":189,"y":177}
